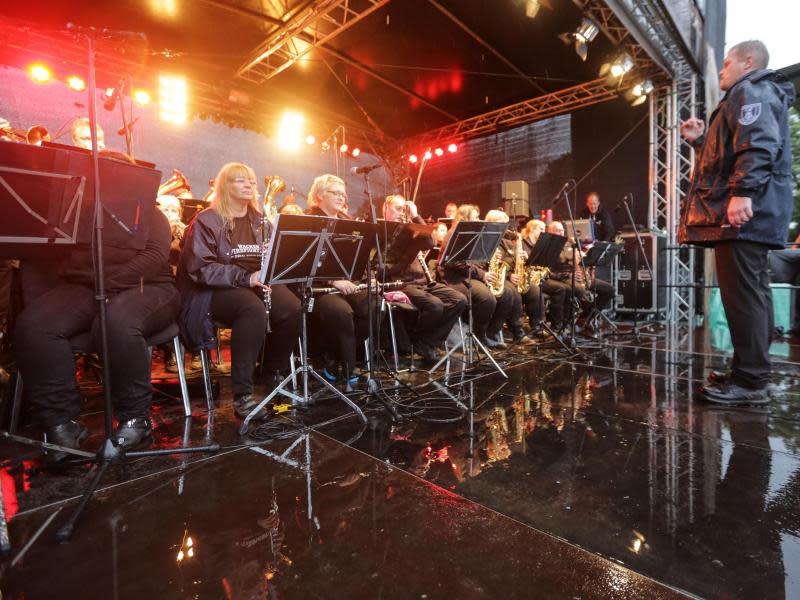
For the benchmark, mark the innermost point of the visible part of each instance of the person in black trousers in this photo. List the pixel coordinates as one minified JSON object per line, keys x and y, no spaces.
{"x":439,"y":305}
{"x":341,"y":318}
{"x":218,"y":278}
{"x":740,"y":202}
{"x":142,"y":300}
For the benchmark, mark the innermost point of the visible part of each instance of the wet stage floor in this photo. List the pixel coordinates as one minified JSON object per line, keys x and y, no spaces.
{"x":585,"y":477}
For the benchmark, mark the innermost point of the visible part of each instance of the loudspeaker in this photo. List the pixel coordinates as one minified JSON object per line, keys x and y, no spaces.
{"x":649,"y":296}
{"x":515,"y":194}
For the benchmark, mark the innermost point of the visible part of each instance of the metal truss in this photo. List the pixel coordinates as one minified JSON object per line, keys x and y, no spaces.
{"x":521,"y":113}
{"x":318,"y":23}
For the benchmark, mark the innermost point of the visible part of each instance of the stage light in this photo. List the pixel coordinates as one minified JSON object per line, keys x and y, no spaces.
{"x":40,"y":73}
{"x":439,"y":152}
{"x":643,"y":88}
{"x":532,"y":8}
{"x":413,"y":159}
{"x":310,"y":140}
{"x":142,"y":97}
{"x":290,"y":130}
{"x":172,"y":98}
{"x":452,"y":148}
{"x":76,"y":83}
{"x":585,"y":33}
{"x":343,"y":148}
{"x":427,"y":155}
{"x":621,"y":65}
{"x":356,"y":152}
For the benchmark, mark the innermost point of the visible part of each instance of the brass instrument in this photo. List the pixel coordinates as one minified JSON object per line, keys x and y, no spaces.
{"x":523,"y":283}
{"x":499,"y":268}
{"x":176,"y":182}
{"x":274,"y":185}
{"x":536,"y":275}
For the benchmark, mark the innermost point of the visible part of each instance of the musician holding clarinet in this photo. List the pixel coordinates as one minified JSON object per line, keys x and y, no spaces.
{"x":218,"y":276}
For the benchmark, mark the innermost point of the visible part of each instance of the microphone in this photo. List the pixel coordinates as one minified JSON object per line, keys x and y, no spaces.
{"x":107,"y":33}
{"x":365,"y":169}
{"x":127,"y":128}
{"x":557,"y":197}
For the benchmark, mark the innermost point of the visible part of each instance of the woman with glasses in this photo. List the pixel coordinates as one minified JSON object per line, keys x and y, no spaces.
{"x":218,"y":279}
{"x":341,"y":319}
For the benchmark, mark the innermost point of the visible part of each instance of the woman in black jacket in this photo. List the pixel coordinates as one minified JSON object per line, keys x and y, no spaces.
{"x":218,"y":279}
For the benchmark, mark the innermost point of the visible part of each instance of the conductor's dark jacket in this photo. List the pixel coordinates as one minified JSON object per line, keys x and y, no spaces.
{"x":746,"y":152}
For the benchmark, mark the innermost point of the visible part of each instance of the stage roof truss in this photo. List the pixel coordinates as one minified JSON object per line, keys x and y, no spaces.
{"x":315,"y":25}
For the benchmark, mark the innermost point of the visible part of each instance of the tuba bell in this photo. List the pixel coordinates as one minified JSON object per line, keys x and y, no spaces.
{"x":274,"y":185}
{"x":175,"y":183}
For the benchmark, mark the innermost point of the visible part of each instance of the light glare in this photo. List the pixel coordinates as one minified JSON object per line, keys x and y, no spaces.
{"x":40,"y":73}
{"x":142,"y":97}
{"x":172,"y":98}
{"x":76,"y":83}
{"x":290,"y":131}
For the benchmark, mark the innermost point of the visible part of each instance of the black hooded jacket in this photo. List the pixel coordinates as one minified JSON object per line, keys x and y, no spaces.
{"x":745,"y":152}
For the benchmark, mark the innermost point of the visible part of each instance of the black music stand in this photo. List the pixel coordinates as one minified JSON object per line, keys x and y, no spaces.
{"x":471,"y":242}
{"x":546,"y":252}
{"x":599,"y":255}
{"x":306,"y":250}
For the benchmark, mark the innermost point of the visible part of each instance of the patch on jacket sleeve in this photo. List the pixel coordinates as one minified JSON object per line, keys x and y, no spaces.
{"x":749,"y":113}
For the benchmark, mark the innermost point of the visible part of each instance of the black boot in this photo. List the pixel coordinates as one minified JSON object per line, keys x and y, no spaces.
{"x":70,"y":434}
{"x":133,"y":433}
{"x":244,"y":404}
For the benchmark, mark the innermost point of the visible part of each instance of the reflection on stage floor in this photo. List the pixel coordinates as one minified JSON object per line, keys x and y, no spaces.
{"x":595,"y":476}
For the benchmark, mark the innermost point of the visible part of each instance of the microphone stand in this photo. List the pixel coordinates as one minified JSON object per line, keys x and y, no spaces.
{"x":575,"y":247}
{"x":127,"y":125}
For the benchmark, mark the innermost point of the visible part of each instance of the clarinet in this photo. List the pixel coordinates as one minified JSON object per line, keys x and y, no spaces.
{"x":430,"y":281}
{"x":267,"y":291}
{"x":360,"y":287}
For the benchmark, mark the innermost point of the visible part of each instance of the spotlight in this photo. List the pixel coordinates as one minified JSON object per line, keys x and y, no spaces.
{"x":325,"y":146}
{"x":343,"y":148}
{"x":439,"y":152}
{"x":40,"y":73}
{"x":452,"y":148}
{"x":76,"y":83}
{"x":310,"y":140}
{"x":585,"y":33}
{"x":427,"y":155}
{"x":621,"y":65}
{"x":413,"y":159}
{"x":290,"y":130}
{"x":142,"y":97}
{"x":172,"y":98}
{"x":532,"y":8}
{"x":638,"y":93}
{"x":355,"y":152}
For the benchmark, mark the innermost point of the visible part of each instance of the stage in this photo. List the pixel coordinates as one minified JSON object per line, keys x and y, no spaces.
{"x":587,"y":477}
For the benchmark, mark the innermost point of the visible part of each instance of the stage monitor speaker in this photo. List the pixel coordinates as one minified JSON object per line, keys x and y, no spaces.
{"x":515,"y":195}
{"x":651,"y":299}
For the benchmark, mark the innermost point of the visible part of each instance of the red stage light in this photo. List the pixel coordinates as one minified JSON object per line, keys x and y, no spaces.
{"x":427,"y":155}
{"x":413,"y":158}
{"x":439,"y":152}
{"x":356,"y":152}
{"x":76,"y":83}
{"x":452,"y":148}
{"x":40,"y":73}
{"x":343,"y":148}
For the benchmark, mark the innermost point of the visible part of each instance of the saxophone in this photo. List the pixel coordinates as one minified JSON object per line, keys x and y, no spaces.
{"x":523,"y":283}
{"x":536,"y":275}
{"x":499,"y":268}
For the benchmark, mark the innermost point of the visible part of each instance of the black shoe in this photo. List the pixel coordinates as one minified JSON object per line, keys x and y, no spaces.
{"x":70,"y":435}
{"x":171,"y":364}
{"x":133,"y":433}
{"x":731,"y":394}
{"x":244,"y":404}
{"x":427,"y":352}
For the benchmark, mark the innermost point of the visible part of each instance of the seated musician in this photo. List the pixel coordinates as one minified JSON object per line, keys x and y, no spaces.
{"x":340,"y":320}
{"x":488,"y":313}
{"x":142,"y":300}
{"x":555,"y":290}
{"x":507,"y":252}
{"x":602,"y":289}
{"x":439,"y":305}
{"x":218,"y":279}
{"x":82,"y":134}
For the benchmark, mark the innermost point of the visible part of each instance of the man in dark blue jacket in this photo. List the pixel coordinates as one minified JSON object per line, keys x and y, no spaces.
{"x":740,"y":202}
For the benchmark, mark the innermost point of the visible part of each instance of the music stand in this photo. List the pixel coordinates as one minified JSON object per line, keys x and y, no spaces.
{"x":471,"y":242}
{"x":307,"y":249}
{"x":601,"y":254}
{"x":546,"y":252}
